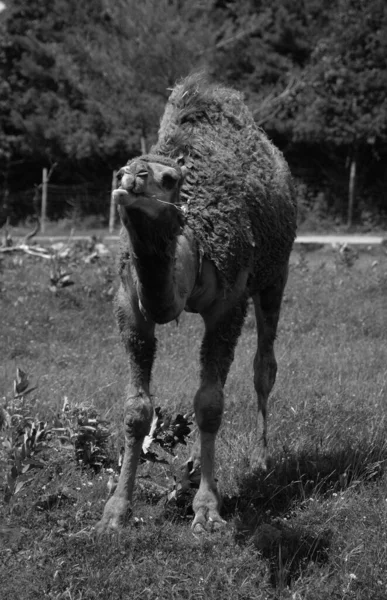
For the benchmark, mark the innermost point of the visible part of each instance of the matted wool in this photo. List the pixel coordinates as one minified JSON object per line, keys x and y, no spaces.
{"x":238,"y":188}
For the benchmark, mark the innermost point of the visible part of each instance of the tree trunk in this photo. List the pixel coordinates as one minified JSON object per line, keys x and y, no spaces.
{"x":351,"y":191}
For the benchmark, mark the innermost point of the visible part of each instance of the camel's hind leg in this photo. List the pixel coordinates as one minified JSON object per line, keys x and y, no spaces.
{"x":267,"y":310}
{"x":217,"y":354}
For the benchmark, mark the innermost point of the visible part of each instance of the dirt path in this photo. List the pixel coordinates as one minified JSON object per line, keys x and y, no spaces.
{"x":365,"y":240}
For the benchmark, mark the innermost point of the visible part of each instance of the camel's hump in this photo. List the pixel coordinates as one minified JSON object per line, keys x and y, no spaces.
{"x":194,"y":104}
{"x":238,"y":187}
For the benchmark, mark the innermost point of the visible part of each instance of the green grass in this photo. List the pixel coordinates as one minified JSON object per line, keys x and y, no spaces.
{"x":314,"y":526}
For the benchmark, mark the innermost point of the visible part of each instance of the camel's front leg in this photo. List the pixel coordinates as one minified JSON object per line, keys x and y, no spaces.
{"x":138,"y":336}
{"x":217,"y":354}
{"x":206,"y":503}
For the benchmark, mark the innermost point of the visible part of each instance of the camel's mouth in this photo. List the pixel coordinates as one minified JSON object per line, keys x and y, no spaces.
{"x":129,"y":193}
{"x":123,"y":197}
{"x":120,"y":196}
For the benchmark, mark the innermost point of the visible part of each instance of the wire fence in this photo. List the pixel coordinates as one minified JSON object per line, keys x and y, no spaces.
{"x":77,"y":200}
{"x":52,"y":202}
{"x":90,"y":203}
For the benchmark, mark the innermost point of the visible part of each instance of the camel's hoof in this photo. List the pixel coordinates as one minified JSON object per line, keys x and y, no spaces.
{"x":115,"y":516}
{"x":207,"y":520}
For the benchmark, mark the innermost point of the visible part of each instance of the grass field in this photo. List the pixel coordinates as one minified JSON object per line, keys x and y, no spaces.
{"x":313,"y":527}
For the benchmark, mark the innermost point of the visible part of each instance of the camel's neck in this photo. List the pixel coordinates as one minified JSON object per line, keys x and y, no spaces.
{"x":164,"y":263}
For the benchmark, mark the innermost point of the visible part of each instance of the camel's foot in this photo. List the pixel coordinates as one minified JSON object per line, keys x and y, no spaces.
{"x":206,"y":507}
{"x":115,"y":516}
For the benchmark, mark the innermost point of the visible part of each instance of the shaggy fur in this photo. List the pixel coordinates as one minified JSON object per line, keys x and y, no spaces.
{"x":238,"y":189}
{"x":240,"y":219}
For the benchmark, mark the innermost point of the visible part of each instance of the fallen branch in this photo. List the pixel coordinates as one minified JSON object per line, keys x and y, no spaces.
{"x":24,"y":246}
{"x":32,"y":233}
{"x":35,"y":251}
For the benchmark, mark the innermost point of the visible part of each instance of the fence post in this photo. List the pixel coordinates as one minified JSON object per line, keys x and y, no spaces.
{"x":143,"y":144}
{"x":112,"y":214}
{"x":352,"y":191}
{"x":43,"y":214}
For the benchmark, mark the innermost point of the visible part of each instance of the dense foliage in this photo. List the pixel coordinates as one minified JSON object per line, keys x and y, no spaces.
{"x":83,"y":85}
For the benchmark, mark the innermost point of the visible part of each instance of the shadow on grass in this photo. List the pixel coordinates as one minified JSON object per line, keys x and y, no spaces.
{"x":294,"y":477}
{"x":264,"y":509}
{"x":265,"y":499}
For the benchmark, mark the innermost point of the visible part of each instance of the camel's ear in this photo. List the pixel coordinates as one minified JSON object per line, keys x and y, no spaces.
{"x":181,"y":162}
{"x":184,"y":171}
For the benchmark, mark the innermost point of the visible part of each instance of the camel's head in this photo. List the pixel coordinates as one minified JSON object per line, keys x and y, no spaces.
{"x":150,"y":184}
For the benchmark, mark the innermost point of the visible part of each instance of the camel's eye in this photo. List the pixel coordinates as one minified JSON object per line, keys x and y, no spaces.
{"x":168,"y":181}
{"x":123,"y":171}
{"x":142,"y":174}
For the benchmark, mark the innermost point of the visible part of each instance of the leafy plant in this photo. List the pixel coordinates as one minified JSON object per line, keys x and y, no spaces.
{"x":167,"y":433}
{"x":27,"y":441}
{"x":81,"y":427}
{"x":24,"y":439}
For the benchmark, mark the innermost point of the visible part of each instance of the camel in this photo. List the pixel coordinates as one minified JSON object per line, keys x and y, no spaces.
{"x":208,"y":221}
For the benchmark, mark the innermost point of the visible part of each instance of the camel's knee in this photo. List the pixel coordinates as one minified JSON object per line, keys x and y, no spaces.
{"x":208,"y":404}
{"x":138,"y":417}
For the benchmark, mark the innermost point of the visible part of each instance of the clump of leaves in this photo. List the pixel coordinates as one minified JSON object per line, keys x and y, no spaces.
{"x":166,"y":432}
{"x":81,"y":427}
{"x":27,"y":442}
{"x":59,"y":277}
{"x":347,"y":255}
{"x":24,"y":438}
{"x":88,"y":251}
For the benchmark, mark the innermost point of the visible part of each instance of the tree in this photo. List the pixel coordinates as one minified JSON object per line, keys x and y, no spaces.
{"x":263,"y":46}
{"x":88,"y":79}
{"x":343,"y":103}
{"x":82,"y":83}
